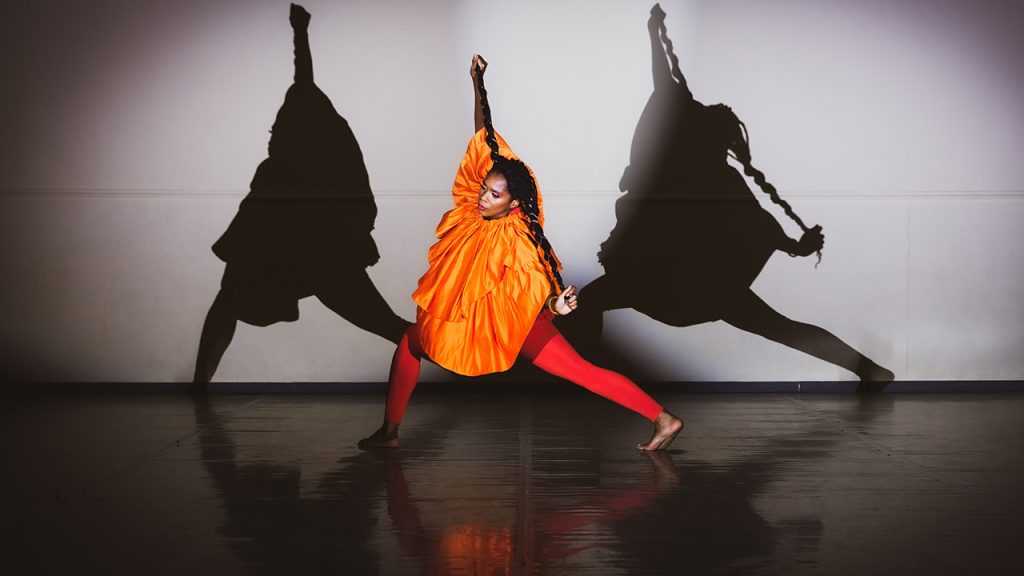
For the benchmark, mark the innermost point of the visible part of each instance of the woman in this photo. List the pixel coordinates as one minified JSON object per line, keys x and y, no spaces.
{"x":493,"y":288}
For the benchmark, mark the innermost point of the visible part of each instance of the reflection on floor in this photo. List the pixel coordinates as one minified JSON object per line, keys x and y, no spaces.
{"x":514,"y":484}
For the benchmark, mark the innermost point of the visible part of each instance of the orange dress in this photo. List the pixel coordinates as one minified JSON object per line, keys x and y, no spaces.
{"x":486,"y":283}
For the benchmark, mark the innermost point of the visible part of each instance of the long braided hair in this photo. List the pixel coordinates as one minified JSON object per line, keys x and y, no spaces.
{"x":522,"y":187}
{"x":739,"y":140}
{"x":667,"y":42}
{"x":740,"y":151}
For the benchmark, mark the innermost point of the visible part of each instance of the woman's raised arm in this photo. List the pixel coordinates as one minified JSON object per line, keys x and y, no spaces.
{"x":476,"y":69}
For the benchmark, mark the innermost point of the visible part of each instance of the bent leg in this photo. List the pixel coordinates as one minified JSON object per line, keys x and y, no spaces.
{"x":748,"y":312}
{"x":356,"y":299}
{"x":405,"y":372}
{"x":218,"y":330}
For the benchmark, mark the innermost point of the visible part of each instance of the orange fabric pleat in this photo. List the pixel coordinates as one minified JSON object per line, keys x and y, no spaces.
{"x":486,"y":282}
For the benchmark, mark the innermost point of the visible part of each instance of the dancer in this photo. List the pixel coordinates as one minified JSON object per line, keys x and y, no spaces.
{"x":493,"y":287}
{"x":689,"y":224}
{"x":304,"y":229}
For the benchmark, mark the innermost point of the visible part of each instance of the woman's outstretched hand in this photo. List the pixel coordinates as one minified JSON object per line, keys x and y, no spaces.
{"x":566,"y":302}
{"x":810,"y":242}
{"x":477,"y":67}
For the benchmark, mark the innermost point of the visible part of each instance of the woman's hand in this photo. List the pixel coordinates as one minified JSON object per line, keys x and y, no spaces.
{"x":566,"y":301}
{"x":810,"y":242}
{"x":477,"y":67}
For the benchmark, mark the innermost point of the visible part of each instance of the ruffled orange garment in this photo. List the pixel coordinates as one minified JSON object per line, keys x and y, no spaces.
{"x":486,"y":283}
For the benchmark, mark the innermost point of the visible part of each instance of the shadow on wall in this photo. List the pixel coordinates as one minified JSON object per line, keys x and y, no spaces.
{"x":690,"y":236}
{"x":304,"y":228}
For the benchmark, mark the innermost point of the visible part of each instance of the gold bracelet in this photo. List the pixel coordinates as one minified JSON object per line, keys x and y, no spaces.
{"x":551,"y":305}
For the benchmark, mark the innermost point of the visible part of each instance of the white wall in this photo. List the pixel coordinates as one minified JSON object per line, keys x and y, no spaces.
{"x":133,"y":130}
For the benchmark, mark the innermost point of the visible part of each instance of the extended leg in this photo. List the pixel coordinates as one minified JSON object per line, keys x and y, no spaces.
{"x":752,"y":314}
{"x":550,"y":352}
{"x":218,"y":330}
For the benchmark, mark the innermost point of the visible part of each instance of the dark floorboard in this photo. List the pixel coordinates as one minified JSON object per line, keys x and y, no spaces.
{"x":507,"y":483}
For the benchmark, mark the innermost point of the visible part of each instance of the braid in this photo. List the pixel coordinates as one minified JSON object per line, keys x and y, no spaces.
{"x":522,"y":187}
{"x":489,"y":137}
{"x":532,"y":212}
{"x":742,"y":154}
{"x":770,"y":190}
{"x":676,"y":72}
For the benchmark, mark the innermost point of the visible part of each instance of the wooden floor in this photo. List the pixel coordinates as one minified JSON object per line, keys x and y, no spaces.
{"x":513,"y":484}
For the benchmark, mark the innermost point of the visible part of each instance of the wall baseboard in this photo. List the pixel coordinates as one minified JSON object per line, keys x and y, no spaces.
{"x":910,"y":386}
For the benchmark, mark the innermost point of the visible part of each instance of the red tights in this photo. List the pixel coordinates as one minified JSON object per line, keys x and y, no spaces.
{"x":546,"y":348}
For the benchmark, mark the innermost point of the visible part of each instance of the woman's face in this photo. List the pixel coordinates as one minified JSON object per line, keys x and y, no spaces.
{"x":495,"y":200}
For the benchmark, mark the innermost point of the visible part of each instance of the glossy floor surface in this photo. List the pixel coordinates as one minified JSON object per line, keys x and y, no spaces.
{"x":513,"y":484}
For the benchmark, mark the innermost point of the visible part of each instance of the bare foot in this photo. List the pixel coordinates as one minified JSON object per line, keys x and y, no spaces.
{"x":385,"y":437}
{"x":666,"y":428}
